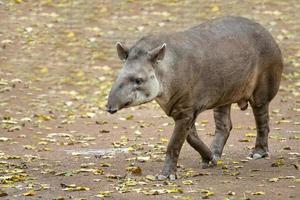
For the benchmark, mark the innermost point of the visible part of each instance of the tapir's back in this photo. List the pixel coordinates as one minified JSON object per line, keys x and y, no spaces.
{"x":232,"y":36}
{"x":227,"y":56}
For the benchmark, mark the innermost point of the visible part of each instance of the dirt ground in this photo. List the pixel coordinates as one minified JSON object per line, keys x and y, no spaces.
{"x":57,"y":63}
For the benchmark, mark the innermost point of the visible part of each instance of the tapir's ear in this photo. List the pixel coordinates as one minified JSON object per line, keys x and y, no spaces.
{"x":122,"y":51}
{"x":158,"y":53}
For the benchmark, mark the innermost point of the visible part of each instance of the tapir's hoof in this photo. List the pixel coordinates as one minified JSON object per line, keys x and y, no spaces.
{"x":205,"y":165}
{"x":215,"y":160}
{"x":161,"y":177}
{"x":211,"y":163}
{"x":171,"y":177}
{"x":257,"y":155}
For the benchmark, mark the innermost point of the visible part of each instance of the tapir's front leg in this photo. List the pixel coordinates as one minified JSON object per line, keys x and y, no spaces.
{"x":181,"y":130}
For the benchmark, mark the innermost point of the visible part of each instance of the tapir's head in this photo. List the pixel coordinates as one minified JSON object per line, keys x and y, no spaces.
{"x":137,"y":82}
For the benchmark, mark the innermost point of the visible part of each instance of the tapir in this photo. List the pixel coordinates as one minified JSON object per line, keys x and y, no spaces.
{"x":209,"y":66}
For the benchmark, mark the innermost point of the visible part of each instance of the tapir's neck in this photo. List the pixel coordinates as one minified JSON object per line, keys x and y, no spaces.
{"x":170,"y":93}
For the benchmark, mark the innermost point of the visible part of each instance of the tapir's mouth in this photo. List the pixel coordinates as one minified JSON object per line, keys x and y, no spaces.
{"x":125,"y":105}
{"x":114,"y":110}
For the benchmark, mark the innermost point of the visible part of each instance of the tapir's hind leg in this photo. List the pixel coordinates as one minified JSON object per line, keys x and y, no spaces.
{"x":261,"y":115}
{"x":267,"y":88}
{"x":223,"y":128}
{"x":194,"y":140}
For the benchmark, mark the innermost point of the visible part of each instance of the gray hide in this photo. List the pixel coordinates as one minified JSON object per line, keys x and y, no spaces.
{"x":209,"y":66}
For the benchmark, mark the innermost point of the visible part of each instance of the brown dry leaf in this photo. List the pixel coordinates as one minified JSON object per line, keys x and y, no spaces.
{"x":135,"y":170}
{"x":3,"y":194}
{"x":297,"y":166}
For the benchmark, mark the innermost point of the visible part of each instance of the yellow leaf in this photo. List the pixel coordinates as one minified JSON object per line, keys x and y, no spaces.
{"x":98,"y":171}
{"x":278,"y":163}
{"x":219,"y":162}
{"x":71,"y":34}
{"x":164,"y":140}
{"x":44,"y":70}
{"x":204,"y":122}
{"x":104,"y":194}
{"x":151,"y":177}
{"x":215,"y":8}
{"x":250,"y":134}
{"x":129,"y":117}
{"x":29,"y":193}
{"x":73,"y":187}
{"x":175,"y":190}
{"x":207,"y":193}
{"x":188,"y":182}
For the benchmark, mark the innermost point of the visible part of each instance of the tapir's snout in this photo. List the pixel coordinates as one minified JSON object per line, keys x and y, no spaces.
{"x":114,"y":101}
{"x":118,"y":98}
{"x":111,"y":105}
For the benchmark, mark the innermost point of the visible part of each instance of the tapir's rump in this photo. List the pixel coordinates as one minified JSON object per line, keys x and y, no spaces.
{"x":209,"y":66}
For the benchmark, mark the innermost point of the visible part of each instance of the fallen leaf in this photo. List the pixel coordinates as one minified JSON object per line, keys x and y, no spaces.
{"x":174,"y":190}
{"x":2,"y":193}
{"x":73,"y":188}
{"x":134,"y":170}
{"x":151,"y":177}
{"x":258,"y":193}
{"x":278,"y":163}
{"x":188,"y":182}
{"x":104,"y":194}
{"x":29,"y":193}
{"x":273,"y":180}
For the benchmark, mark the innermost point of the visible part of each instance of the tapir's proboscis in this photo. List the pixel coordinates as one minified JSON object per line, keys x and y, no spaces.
{"x":210,"y":66}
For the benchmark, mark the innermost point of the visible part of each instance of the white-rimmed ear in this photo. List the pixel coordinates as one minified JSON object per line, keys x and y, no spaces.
{"x":122,"y":51}
{"x":157,"y":54}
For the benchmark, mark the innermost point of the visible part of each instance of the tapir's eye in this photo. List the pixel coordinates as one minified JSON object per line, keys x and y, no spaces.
{"x":138,"y":81}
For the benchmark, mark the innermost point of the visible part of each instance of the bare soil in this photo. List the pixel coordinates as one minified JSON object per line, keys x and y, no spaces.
{"x":57,"y":63}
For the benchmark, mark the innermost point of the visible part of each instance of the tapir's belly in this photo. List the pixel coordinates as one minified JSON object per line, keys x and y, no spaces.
{"x":232,"y":88}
